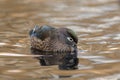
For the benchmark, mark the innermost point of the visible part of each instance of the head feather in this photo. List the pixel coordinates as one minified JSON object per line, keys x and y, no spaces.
{"x":72,"y":34}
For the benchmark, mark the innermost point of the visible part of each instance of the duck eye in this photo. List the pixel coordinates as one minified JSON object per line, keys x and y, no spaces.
{"x":70,"y":39}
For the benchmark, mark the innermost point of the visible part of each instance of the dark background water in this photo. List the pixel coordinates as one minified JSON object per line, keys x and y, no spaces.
{"x":96,"y":22}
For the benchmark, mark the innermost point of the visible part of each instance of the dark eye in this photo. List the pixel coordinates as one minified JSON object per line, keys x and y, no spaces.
{"x":70,"y":39}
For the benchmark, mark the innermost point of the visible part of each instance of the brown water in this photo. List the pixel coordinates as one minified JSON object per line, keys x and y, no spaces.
{"x":97,"y":23}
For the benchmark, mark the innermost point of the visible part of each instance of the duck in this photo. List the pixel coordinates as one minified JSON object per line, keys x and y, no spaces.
{"x":47,"y":38}
{"x":61,"y":43}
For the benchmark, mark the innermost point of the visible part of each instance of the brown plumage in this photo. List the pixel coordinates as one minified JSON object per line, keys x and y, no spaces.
{"x":47,"y":38}
{"x":61,"y":43}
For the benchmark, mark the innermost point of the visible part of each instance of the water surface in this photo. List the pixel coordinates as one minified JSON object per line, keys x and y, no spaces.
{"x":96,"y":22}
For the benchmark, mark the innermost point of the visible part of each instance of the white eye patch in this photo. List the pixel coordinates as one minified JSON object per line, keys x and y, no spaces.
{"x":34,"y":30}
{"x":70,"y":39}
{"x":36,"y":27}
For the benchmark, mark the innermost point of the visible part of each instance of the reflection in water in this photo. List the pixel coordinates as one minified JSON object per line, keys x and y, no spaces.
{"x":65,"y":60}
{"x":97,"y":25}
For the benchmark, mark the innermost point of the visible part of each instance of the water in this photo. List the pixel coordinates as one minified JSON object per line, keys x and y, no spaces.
{"x":96,"y":22}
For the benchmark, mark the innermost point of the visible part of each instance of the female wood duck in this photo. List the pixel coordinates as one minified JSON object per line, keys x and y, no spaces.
{"x":59,"y":42}
{"x":47,"y":38}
